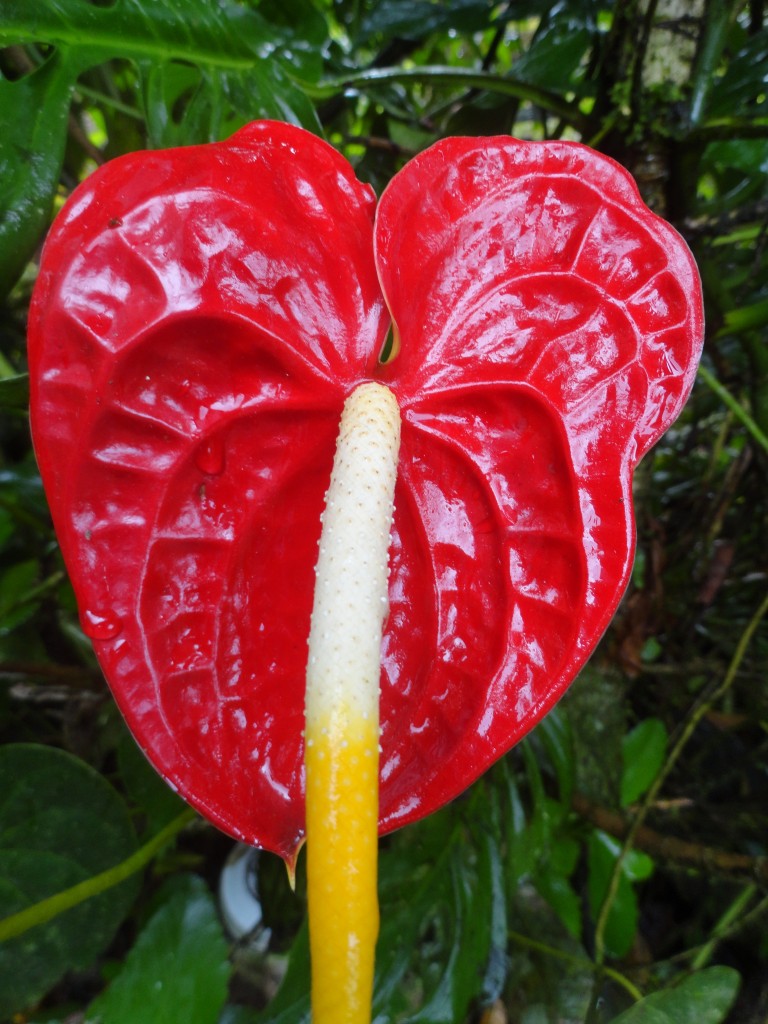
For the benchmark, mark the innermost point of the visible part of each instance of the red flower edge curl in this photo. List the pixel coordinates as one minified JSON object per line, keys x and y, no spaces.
{"x":201,"y":315}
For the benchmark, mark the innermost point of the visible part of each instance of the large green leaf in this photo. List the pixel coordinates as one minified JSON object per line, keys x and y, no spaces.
{"x":741,"y":89}
{"x":703,"y":998}
{"x":227,"y":34}
{"x":415,"y":19}
{"x":558,"y":49}
{"x":178,"y":968}
{"x":227,"y":41}
{"x":60,"y":823}
{"x":206,"y":69}
{"x":33,"y":125}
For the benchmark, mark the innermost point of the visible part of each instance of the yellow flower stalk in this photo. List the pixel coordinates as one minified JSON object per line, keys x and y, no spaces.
{"x":342,"y":708}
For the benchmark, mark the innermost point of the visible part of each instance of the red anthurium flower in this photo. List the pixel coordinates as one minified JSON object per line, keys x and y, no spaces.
{"x":200,"y":318}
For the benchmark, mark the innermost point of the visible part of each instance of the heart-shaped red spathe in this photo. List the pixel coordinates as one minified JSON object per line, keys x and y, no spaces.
{"x":200,"y":317}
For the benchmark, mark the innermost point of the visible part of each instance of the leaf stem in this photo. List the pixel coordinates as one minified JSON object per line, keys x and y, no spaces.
{"x":52,"y":906}
{"x":437,"y":74}
{"x":578,"y":961}
{"x":732,"y":913}
{"x":736,"y":408}
{"x":233,"y":37}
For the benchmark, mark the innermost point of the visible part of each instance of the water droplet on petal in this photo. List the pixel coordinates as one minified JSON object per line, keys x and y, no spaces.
{"x":100,"y":626}
{"x":209,"y":457}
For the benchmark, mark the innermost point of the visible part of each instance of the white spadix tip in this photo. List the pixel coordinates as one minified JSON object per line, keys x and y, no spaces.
{"x":352,"y":570}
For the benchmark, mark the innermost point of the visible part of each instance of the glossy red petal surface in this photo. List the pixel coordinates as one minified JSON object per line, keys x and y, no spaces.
{"x":550,"y":326}
{"x":200,"y":317}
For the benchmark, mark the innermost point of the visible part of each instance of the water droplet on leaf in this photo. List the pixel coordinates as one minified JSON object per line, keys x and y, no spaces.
{"x":209,"y":457}
{"x":100,"y":626}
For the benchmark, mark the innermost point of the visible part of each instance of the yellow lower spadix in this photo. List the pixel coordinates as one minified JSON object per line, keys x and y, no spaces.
{"x":342,"y":708}
{"x":342,"y":830}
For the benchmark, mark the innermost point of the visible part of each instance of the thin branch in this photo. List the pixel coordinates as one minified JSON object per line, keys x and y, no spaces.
{"x":730,"y":128}
{"x":695,"y":716}
{"x":578,"y":961}
{"x":433,"y":74}
{"x":47,"y":909}
{"x":736,"y":408}
{"x":671,"y":849}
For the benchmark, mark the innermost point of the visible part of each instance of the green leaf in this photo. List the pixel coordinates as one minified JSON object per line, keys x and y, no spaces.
{"x":643,"y":752}
{"x":415,"y":19}
{"x":60,"y":823}
{"x":226,"y":34}
{"x":560,"y":895}
{"x":153,"y":795}
{"x":550,"y":973}
{"x":303,"y":32}
{"x":33,"y":126}
{"x":596,"y":710}
{"x":16,"y":593}
{"x":559,"y":47}
{"x":703,"y":998}
{"x":747,"y":155}
{"x":742,"y":87}
{"x":523,"y":851}
{"x":227,"y":42}
{"x":14,"y":391}
{"x":238,"y":68}
{"x":177,"y":970}
{"x":554,"y":733}
{"x":451,"y":923}
{"x":603,"y":851}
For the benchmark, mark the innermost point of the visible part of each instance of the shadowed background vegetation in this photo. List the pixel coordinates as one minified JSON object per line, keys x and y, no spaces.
{"x":613,"y":866}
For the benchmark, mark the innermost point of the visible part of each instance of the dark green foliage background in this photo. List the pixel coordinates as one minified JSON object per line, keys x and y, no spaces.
{"x":527,"y":899}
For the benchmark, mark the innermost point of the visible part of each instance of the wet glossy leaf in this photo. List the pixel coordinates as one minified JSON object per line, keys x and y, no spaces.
{"x":227,"y":34}
{"x":303,"y":30}
{"x":178,"y":966}
{"x":60,"y":823}
{"x":558,"y":48}
{"x":742,"y":87}
{"x":415,"y":19}
{"x":33,"y":119}
{"x":234,"y":53}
